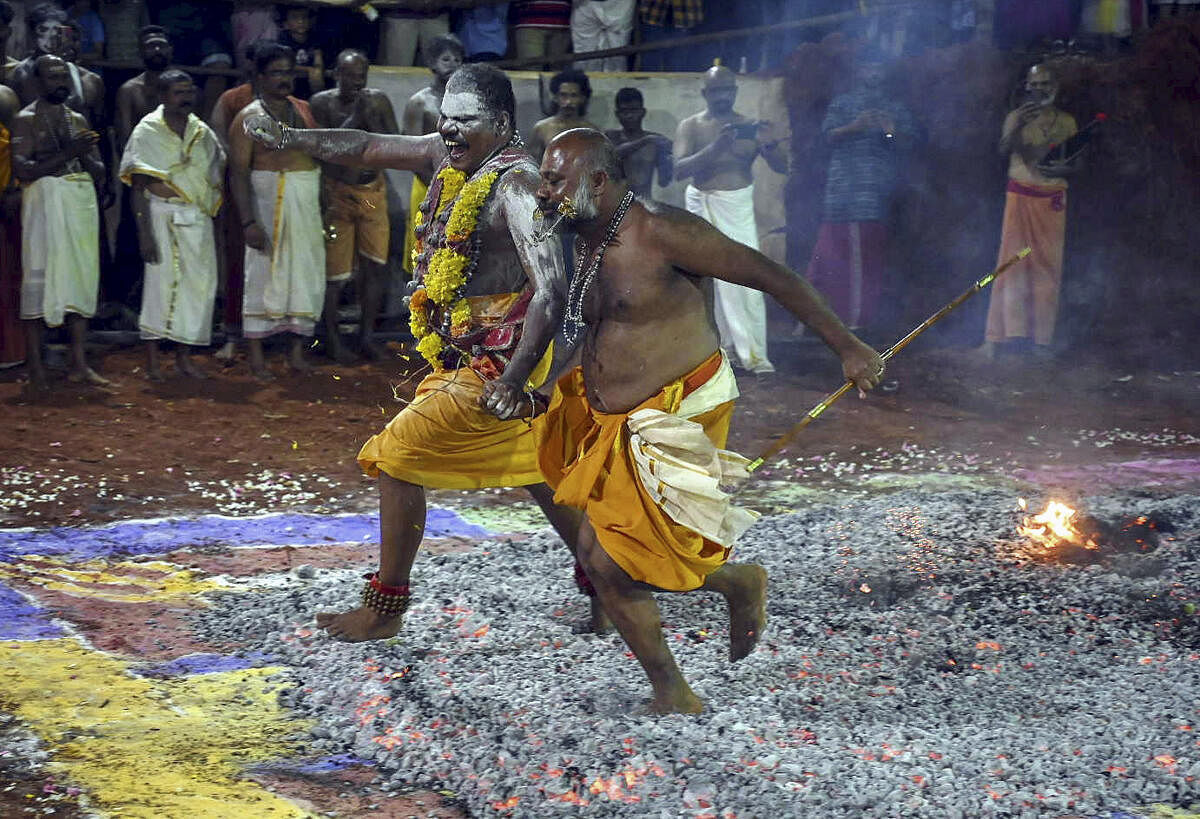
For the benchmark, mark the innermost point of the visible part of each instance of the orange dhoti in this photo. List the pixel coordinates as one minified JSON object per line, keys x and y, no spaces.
{"x":1024,"y":302}
{"x":445,"y":440}
{"x":649,"y":479}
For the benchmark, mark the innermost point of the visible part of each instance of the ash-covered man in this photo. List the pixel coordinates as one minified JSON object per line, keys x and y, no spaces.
{"x":278,"y":200}
{"x":642,"y":152}
{"x":486,"y":302}
{"x":715,"y":149}
{"x":1024,"y":302}
{"x":572,"y":91}
{"x":355,"y":201}
{"x":176,"y":167}
{"x":54,"y":34}
{"x":633,"y":434}
{"x":55,"y":156}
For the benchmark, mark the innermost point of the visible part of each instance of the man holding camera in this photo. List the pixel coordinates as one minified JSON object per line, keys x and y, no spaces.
{"x":1024,"y":304}
{"x":716,"y":148}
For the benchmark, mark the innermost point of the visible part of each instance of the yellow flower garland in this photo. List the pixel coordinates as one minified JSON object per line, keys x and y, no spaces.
{"x":448,"y":269}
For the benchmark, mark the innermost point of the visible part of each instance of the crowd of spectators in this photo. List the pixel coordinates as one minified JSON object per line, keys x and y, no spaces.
{"x":215,"y":33}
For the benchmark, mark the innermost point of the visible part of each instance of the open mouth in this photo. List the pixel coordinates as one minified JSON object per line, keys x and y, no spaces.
{"x":455,"y":148}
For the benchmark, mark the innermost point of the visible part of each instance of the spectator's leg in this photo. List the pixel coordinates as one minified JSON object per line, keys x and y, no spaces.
{"x":397,"y":41}
{"x":529,"y":43}
{"x":587,"y":30}
{"x":428,"y":29}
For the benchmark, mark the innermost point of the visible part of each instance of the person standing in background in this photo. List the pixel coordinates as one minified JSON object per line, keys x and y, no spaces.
{"x":297,"y":34}
{"x":483,"y":31}
{"x":407,"y":33}
{"x":541,"y":28}
{"x":715,"y":149}
{"x":601,"y":24}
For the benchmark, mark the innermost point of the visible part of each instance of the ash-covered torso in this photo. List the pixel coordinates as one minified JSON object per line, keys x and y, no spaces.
{"x":648,"y":322}
{"x":503,"y":235}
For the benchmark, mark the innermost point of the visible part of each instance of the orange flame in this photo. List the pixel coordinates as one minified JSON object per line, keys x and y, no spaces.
{"x":1053,"y":527}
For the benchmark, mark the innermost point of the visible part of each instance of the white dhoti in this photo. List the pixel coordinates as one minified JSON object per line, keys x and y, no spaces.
{"x":741,"y":312}
{"x":600,"y":25}
{"x":285,"y":290}
{"x":178,"y":293}
{"x":60,"y":248}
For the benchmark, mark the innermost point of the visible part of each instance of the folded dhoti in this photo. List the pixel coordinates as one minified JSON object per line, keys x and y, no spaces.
{"x":651,"y":480}
{"x":60,"y":248}
{"x":444,"y":439}
{"x":178,"y":293}
{"x":285,"y":290}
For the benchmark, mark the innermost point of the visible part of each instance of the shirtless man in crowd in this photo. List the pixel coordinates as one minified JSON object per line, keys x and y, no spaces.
{"x":354,"y":200}
{"x":139,"y":96}
{"x":642,"y":152}
{"x":572,"y":91}
{"x":278,"y":200}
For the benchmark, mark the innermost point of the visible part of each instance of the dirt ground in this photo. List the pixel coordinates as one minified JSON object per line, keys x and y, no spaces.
{"x":78,"y":455}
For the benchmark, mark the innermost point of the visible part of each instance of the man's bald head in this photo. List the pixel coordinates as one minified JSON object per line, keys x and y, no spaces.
{"x":718,"y":76}
{"x":43,"y":65}
{"x":719,"y":90}
{"x":351,"y":57}
{"x":590,"y":151}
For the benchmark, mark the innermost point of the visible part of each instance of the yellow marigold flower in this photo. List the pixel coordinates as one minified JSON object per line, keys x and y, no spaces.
{"x":447,"y":273}
{"x":418,"y":217}
{"x":452,"y":184}
{"x":465,"y":215}
{"x":430,"y":347}
{"x":418,"y":300}
{"x":460,"y":317}
{"x":418,"y":323}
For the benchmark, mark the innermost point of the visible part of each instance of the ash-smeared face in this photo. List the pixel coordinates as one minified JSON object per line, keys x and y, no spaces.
{"x":470,"y":130}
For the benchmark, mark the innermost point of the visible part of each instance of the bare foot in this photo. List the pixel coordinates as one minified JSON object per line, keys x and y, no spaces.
{"x":597,"y":621}
{"x":262,"y":374}
{"x":987,"y":350}
{"x":297,"y":364}
{"x":155,"y":375}
{"x":39,"y":382}
{"x":360,"y":624}
{"x":747,"y":609}
{"x":683,"y":701}
{"x":189,"y":368}
{"x":227,"y":353}
{"x":89,"y":376}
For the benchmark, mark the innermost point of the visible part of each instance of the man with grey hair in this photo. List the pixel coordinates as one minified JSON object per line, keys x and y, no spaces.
{"x":485,"y":301}
{"x":633,"y":430}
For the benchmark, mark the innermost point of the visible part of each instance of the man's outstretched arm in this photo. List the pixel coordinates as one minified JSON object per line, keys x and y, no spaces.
{"x":341,"y":146}
{"x":694,"y":245}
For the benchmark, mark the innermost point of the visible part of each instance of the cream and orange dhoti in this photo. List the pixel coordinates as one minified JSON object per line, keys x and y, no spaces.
{"x":650,"y":480}
{"x":359,"y":215}
{"x":741,"y":312}
{"x":285,"y":290}
{"x":1024,"y":301}
{"x":445,"y":440}
{"x":60,"y":248}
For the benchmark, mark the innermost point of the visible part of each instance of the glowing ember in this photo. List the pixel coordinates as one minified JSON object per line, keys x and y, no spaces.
{"x":1053,"y":528}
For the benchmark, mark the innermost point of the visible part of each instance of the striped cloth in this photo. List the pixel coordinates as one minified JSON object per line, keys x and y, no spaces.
{"x":675,"y":13}
{"x":542,"y":14}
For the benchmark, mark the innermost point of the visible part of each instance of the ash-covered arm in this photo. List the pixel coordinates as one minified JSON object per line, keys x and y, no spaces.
{"x":544,"y":268}
{"x":342,"y":146}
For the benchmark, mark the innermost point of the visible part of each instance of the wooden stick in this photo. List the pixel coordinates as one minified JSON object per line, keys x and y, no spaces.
{"x":814,"y":413}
